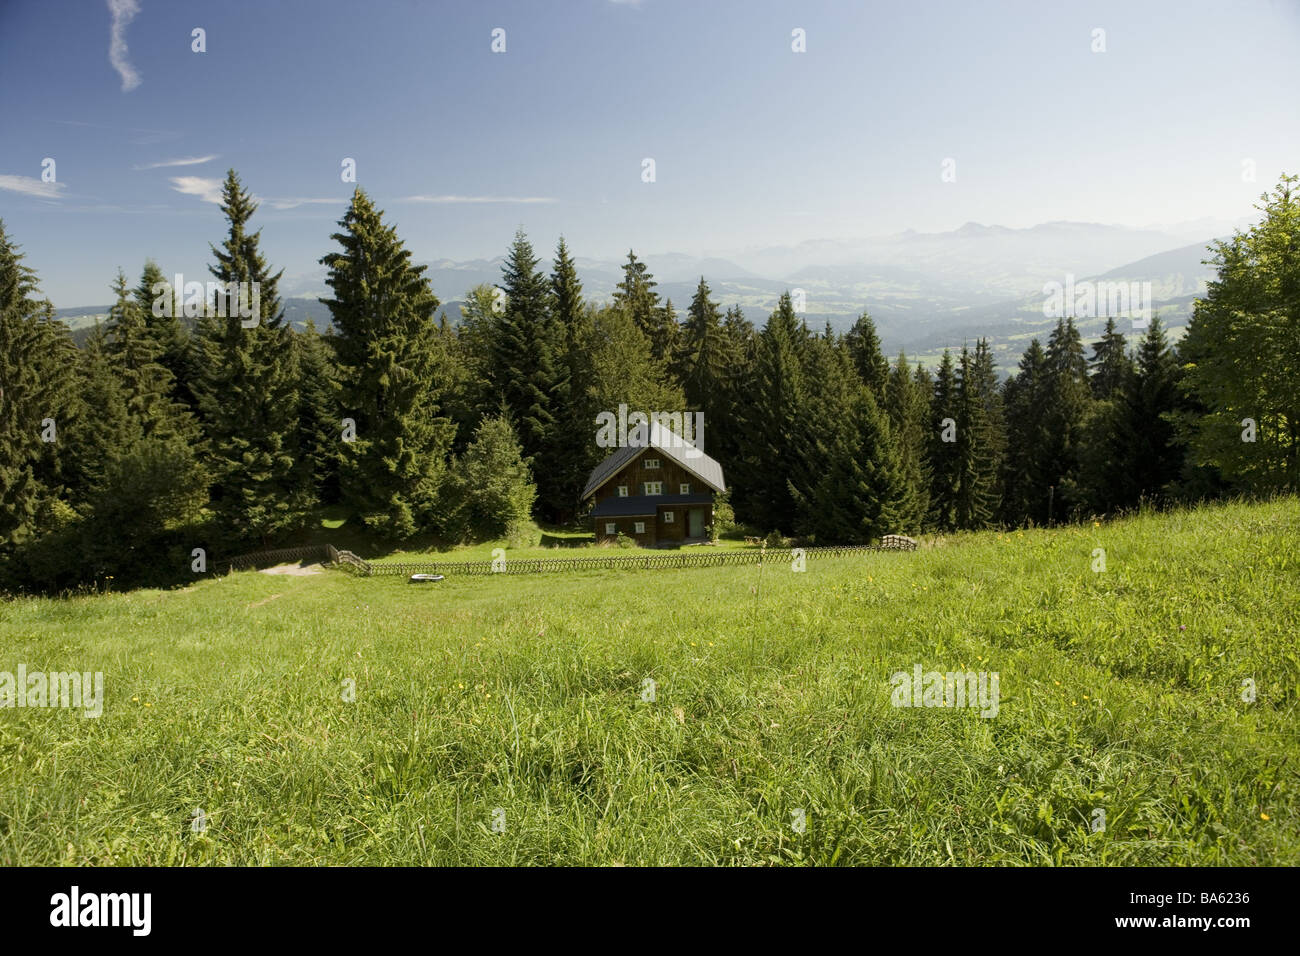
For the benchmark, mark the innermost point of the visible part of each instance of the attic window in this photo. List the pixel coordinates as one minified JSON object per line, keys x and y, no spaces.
{"x":683,"y":489}
{"x":622,"y":491}
{"x":654,"y":487}
{"x":651,"y":463}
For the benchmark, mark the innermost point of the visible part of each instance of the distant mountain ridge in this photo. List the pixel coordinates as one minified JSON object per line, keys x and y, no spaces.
{"x":924,"y":290}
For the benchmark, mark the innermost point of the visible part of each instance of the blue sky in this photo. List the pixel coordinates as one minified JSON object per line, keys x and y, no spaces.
{"x":754,"y":144}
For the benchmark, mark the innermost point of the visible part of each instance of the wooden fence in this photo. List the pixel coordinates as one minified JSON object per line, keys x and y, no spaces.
{"x":267,"y":559}
{"x":704,"y":558}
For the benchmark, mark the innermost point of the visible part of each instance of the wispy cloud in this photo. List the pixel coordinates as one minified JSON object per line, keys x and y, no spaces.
{"x":149,"y":137}
{"x":209,"y":190}
{"x":188,"y":161}
{"x":32,"y":187}
{"x":123,"y":12}
{"x":295,"y":203}
{"x":479,"y":199}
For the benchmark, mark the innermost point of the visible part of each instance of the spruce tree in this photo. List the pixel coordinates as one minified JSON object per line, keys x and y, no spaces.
{"x":104,"y":403}
{"x":945,"y":462}
{"x":831,"y":388}
{"x":570,"y":452}
{"x":1025,"y":471}
{"x":157,"y":301}
{"x":702,"y":358}
{"x":868,"y":358}
{"x":908,"y":409}
{"x":861,"y":491}
{"x":496,"y":487}
{"x":636,"y":293}
{"x":1067,"y":399}
{"x":1146,"y":448}
{"x":531,"y":373}
{"x":773,"y":415}
{"x":986,"y":387}
{"x":37,"y":363}
{"x":1110,"y":362}
{"x":136,"y":354}
{"x":725,"y":437}
{"x":249,"y":393}
{"x":975,"y":496}
{"x":319,"y":417}
{"x":393,"y":455}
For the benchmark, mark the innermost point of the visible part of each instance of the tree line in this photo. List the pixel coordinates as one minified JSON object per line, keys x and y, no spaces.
{"x":158,"y":435}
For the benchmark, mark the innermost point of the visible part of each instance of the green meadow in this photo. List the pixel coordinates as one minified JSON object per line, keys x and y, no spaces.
{"x":329,"y":719}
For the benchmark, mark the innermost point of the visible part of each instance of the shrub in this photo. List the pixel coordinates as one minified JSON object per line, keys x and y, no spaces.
{"x":522,"y":533}
{"x":494,"y":490}
{"x":724,"y":516}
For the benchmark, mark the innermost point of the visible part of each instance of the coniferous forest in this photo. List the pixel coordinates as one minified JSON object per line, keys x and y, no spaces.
{"x":164,"y":431}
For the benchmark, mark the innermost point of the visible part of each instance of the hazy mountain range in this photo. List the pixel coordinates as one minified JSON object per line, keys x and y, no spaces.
{"x":926,"y":291}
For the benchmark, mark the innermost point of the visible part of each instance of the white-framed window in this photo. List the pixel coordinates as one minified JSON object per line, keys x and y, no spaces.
{"x":622,"y":491}
{"x":639,"y":527}
{"x":654,"y":487}
{"x":668,"y":517}
{"x":683,"y":489}
{"x":611,"y":527}
{"x":650,"y":463}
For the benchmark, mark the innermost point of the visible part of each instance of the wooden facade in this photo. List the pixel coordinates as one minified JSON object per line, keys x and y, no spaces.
{"x":653,"y":495}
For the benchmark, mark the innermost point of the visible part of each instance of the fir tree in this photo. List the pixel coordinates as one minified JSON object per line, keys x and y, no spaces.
{"x":37,"y":360}
{"x":531,"y":373}
{"x":830,"y":391}
{"x":976,"y":447}
{"x":496,"y":488}
{"x":986,"y":387}
{"x":393,"y":467}
{"x":569,"y":448}
{"x":1110,"y":362}
{"x":1066,"y":403}
{"x":908,"y":409}
{"x":945,"y":462}
{"x":1146,"y":449}
{"x":135,"y":354}
{"x":861,"y":490}
{"x":636,"y":293}
{"x":868,"y":358}
{"x":774,"y":413}
{"x":740,"y":347}
{"x":249,"y":394}
{"x":157,"y":301}
{"x":702,"y":358}
{"x":104,"y":403}
{"x":1025,"y":470}
{"x":319,"y":417}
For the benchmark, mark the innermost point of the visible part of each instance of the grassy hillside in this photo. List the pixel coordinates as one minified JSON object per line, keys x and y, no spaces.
{"x":1120,"y":690}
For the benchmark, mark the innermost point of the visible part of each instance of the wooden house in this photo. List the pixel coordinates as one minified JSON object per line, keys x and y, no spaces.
{"x":658,"y":493}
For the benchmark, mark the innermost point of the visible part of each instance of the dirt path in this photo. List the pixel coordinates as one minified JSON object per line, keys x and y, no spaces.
{"x":295,"y":570}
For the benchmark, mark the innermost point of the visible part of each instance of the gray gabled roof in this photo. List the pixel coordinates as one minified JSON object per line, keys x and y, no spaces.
{"x":672,"y":446}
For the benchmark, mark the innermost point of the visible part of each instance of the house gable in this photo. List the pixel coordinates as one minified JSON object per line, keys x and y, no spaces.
{"x":671,"y":450}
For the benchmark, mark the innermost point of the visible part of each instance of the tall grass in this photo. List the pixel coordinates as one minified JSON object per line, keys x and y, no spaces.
{"x":1120,"y":691}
